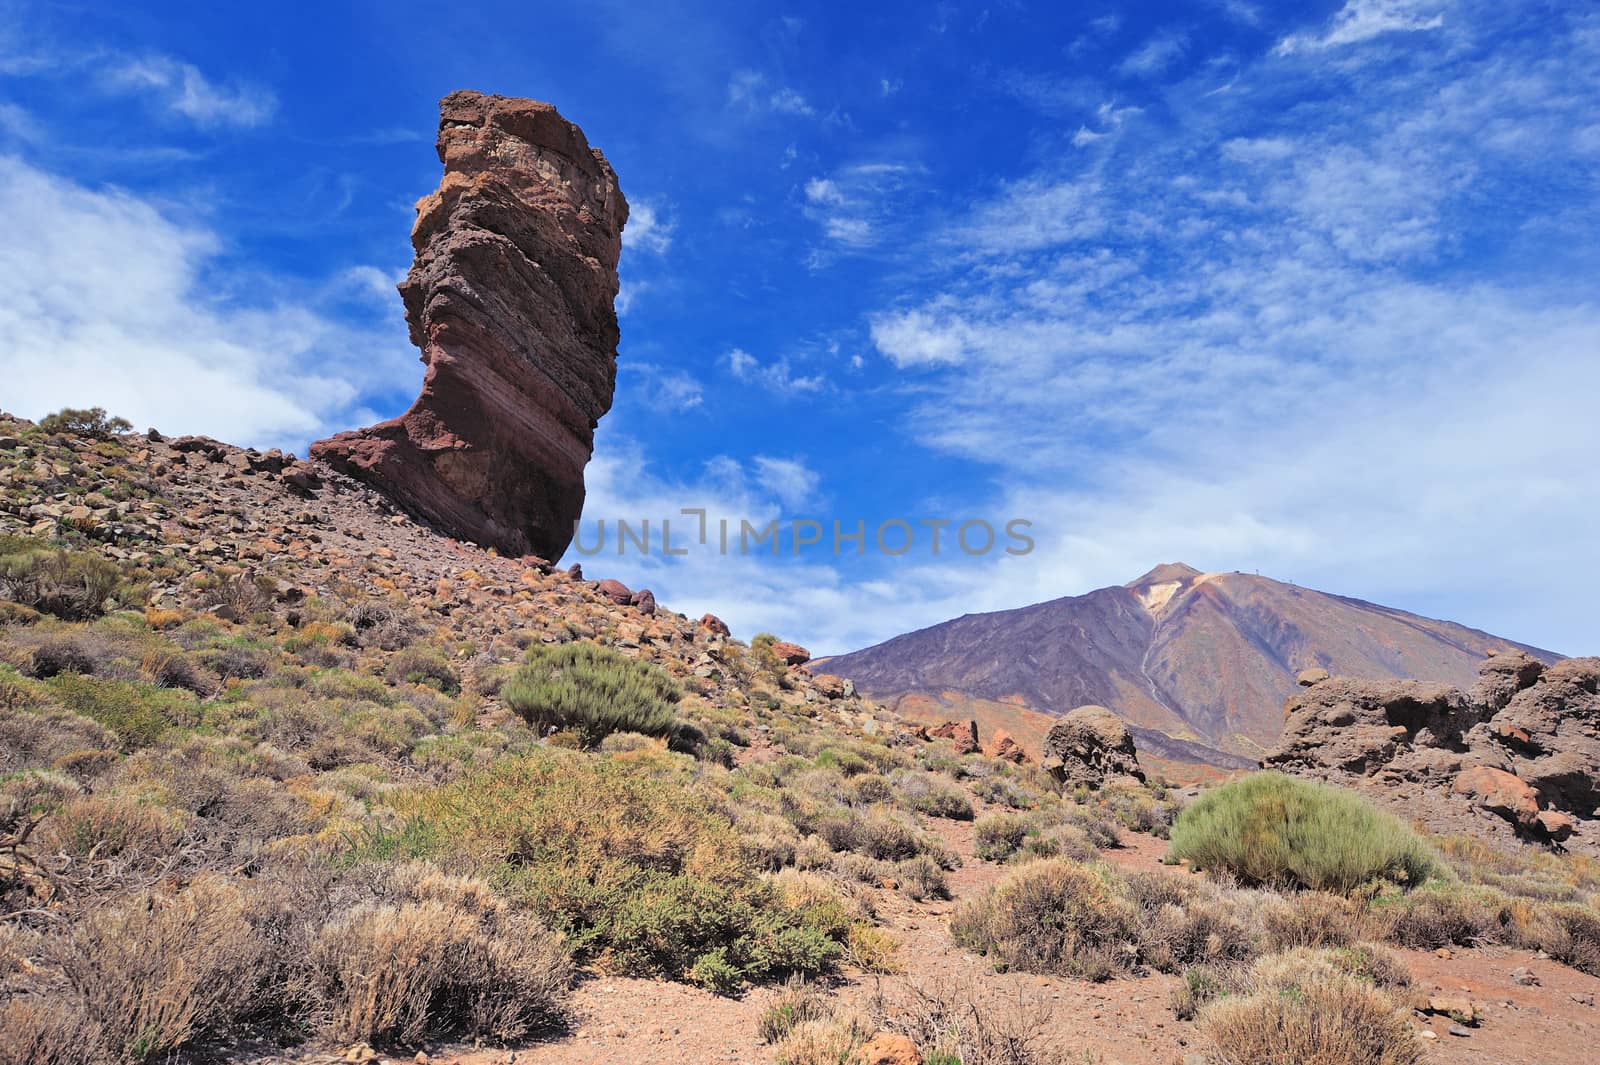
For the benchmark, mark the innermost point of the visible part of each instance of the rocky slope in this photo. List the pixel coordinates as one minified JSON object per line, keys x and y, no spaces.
{"x":1198,"y":664}
{"x":510,"y":301}
{"x":1516,"y":755}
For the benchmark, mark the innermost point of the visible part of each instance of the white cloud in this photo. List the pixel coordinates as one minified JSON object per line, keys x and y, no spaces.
{"x":776,"y":376}
{"x":790,"y":480}
{"x":750,"y":91}
{"x":647,"y":230}
{"x":1361,"y":20}
{"x":665,"y":387}
{"x":1156,"y":55}
{"x":855,"y":206}
{"x":110,"y":304}
{"x":182,"y":89}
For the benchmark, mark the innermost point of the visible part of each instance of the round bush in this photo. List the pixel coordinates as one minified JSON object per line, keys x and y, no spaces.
{"x":593,"y":691}
{"x":1267,"y":828}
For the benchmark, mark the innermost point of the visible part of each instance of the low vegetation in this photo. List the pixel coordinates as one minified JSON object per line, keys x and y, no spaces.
{"x":591,"y":691}
{"x":1280,"y":831}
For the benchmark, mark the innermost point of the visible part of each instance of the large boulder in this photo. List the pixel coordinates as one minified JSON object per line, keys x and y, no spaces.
{"x":1090,"y":745}
{"x":510,"y":299}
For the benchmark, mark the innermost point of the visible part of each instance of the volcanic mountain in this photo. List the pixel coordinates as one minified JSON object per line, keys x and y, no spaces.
{"x":1199,"y":664}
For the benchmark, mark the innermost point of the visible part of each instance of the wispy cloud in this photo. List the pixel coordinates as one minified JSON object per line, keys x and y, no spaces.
{"x":181,"y":89}
{"x":1361,"y":20}
{"x":648,"y":229}
{"x":1269,"y":349}
{"x":752,"y":92}
{"x":666,"y":388}
{"x":776,"y":376}
{"x":1156,"y":55}
{"x":855,"y":206}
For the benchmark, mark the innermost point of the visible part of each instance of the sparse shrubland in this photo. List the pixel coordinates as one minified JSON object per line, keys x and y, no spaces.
{"x":284,"y":791}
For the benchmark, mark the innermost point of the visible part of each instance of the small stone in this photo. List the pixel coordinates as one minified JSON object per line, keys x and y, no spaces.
{"x":1457,"y":1030}
{"x":1429,"y":1033}
{"x":1523,"y":977}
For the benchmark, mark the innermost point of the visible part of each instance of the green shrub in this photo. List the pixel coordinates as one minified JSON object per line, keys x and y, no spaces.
{"x":1052,"y":917}
{"x":593,"y":691}
{"x":999,"y":836}
{"x":635,"y":865}
{"x":795,"y":1004}
{"x":427,"y":666}
{"x":138,"y":713}
{"x":93,"y":423}
{"x":72,"y":585}
{"x":1267,"y":828}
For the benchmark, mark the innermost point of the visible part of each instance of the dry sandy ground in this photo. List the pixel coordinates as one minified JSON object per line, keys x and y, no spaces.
{"x":643,"y":1022}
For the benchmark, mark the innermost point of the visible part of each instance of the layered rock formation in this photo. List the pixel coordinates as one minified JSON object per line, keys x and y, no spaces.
{"x":1522,"y":746}
{"x":510,"y":299}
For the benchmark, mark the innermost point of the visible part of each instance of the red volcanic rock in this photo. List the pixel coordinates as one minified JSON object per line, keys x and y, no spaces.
{"x":1007,"y":749}
{"x":792,"y":654}
{"x":644,"y":599}
{"x":615,"y":591}
{"x":963,"y":737}
{"x":511,"y":301}
{"x":714,"y":625}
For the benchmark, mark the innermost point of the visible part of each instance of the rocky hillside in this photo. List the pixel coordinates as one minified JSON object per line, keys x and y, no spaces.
{"x":1199,"y":664}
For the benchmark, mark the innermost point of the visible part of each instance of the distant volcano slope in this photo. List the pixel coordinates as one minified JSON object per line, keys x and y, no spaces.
{"x":1198,"y":663}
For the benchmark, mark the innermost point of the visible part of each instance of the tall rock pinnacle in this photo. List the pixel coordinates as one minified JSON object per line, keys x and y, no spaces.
{"x":510,"y":299}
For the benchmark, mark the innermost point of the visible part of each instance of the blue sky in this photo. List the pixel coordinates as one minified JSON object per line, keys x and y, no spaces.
{"x":1305,"y":289}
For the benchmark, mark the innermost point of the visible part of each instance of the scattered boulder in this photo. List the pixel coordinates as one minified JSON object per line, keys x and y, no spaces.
{"x":615,"y":591}
{"x":644,"y":600}
{"x":1007,"y":749}
{"x":791,"y":654}
{"x":1090,"y":745}
{"x":830,"y":685}
{"x":1313,"y":676}
{"x":714,"y":625}
{"x":963,"y":737}
{"x":888,"y":1048}
{"x":510,"y":299}
{"x":1499,"y":792}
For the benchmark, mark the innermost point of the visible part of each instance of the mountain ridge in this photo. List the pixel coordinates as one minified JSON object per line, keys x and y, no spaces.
{"x":1195,"y":661}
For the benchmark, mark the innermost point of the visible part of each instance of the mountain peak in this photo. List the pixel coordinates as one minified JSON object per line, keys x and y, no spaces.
{"x":1165,"y":572}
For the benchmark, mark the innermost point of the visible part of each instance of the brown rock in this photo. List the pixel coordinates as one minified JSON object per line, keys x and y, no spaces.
{"x":714,"y":625}
{"x":1309,"y":677}
{"x":1004,"y":747}
{"x":792,"y":654}
{"x":615,"y":591}
{"x":510,"y":300}
{"x":889,"y":1048}
{"x":302,"y":475}
{"x":1499,"y":792}
{"x":1556,"y":825}
{"x":1088,"y":746}
{"x":829,"y":684}
{"x":964,"y":737}
{"x":644,"y":600}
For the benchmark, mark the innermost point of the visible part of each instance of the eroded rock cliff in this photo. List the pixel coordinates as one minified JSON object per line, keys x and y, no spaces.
{"x":1522,"y":748}
{"x":510,"y":299}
